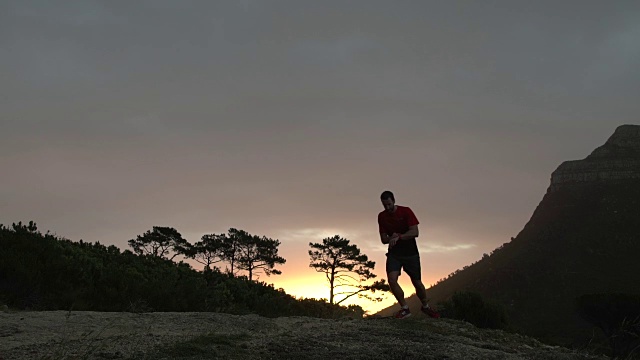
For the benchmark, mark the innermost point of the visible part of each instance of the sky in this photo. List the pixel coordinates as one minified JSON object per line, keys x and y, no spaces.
{"x":287,"y":119}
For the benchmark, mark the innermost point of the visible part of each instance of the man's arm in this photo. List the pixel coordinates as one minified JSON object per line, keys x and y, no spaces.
{"x":411,"y":234}
{"x":384,"y":238}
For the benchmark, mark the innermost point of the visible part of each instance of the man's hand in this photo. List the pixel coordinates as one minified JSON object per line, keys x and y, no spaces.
{"x":393,"y":240}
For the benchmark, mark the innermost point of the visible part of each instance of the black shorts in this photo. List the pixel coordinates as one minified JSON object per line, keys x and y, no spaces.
{"x":411,"y":265}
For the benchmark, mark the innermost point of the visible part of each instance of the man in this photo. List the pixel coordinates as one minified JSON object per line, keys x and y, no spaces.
{"x":399,"y":228}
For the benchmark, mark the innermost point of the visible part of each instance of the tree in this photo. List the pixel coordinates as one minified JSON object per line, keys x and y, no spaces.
{"x":19,"y":227}
{"x":340,"y":261}
{"x":211,"y":249}
{"x":160,"y":242}
{"x":231,"y":243}
{"x":256,"y":252}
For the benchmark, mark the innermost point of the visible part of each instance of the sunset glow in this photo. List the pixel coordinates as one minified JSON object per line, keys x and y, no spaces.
{"x":287,"y":119}
{"x":440,"y":256}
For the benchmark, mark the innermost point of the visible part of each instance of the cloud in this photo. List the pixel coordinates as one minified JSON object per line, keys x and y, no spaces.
{"x":297,"y":234}
{"x":287,"y":119}
{"x":443,"y":248}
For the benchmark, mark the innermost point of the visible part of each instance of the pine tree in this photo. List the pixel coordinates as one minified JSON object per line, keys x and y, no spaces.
{"x":341,"y":262}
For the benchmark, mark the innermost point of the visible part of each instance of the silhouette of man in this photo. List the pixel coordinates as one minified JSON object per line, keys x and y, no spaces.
{"x":399,"y":229}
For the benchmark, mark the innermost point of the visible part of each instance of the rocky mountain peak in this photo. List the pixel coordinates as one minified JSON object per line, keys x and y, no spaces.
{"x":618,"y":159}
{"x":624,"y":143}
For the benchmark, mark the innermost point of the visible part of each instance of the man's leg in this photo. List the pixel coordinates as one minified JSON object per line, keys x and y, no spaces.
{"x":413,"y":269}
{"x":395,"y":287}
{"x":421,"y":292}
{"x":394,"y":268}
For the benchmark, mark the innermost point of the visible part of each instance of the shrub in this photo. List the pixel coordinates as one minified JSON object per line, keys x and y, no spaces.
{"x":44,"y":272}
{"x":471,"y":307}
{"x":618,"y":316}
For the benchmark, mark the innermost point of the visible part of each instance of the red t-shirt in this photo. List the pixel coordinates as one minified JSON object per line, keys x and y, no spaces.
{"x":399,"y":222}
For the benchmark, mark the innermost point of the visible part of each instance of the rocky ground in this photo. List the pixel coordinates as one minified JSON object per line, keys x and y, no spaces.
{"x":98,"y":335}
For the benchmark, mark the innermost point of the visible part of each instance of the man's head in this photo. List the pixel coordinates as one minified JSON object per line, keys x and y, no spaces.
{"x":388,"y":201}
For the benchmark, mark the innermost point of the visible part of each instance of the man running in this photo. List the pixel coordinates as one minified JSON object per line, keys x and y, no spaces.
{"x":399,"y":228}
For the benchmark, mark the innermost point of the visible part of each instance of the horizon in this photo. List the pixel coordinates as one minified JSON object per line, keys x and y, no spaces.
{"x":288,"y":119}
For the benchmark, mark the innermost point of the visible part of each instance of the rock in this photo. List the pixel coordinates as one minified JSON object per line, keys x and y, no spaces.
{"x":193,"y":336}
{"x":618,"y":159}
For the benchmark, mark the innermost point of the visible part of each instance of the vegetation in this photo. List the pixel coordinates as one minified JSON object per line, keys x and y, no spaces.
{"x":45,"y":272}
{"x":159,"y":242}
{"x":340,"y":261}
{"x":471,"y":307}
{"x":211,"y":249}
{"x":618,"y":316}
{"x":254,"y":253}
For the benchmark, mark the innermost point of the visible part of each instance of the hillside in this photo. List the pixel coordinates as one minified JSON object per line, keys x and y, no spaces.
{"x":583,"y":238}
{"x":102,"y":335}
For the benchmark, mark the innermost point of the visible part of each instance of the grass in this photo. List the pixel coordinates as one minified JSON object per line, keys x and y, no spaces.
{"x":306,"y":338}
{"x":213,"y":345}
{"x":62,"y":350}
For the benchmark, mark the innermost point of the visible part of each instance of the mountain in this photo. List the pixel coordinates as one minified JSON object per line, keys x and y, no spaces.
{"x":583,"y":238}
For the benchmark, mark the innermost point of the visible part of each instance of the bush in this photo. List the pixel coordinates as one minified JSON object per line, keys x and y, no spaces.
{"x":470,"y":307}
{"x":43,"y":272}
{"x":618,"y":316}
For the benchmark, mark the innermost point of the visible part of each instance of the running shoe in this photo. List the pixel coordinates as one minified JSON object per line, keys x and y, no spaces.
{"x":402,"y":314}
{"x":430,"y":312}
